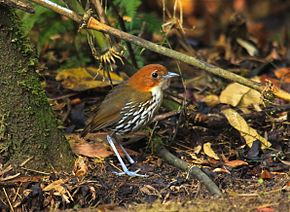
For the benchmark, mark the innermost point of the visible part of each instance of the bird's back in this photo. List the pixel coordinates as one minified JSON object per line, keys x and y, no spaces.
{"x":123,"y":110}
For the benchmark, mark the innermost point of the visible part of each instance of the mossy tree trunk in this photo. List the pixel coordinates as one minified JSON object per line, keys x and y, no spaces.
{"x":27,"y":124}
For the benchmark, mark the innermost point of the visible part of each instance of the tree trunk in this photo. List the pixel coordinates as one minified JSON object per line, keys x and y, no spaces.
{"x":27,"y":124}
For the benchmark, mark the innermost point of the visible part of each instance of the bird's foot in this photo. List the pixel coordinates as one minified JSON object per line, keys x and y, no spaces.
{"x":131,"y":173}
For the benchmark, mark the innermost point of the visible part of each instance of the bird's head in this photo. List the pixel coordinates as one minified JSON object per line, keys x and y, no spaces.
{"x":153,"y":76}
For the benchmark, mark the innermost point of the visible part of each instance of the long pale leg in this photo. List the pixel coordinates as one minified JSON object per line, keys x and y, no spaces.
{"x":130,"y":159}
{"x":124,"y":167}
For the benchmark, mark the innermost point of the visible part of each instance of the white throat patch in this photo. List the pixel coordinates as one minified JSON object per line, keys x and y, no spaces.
{"x":157,"y":93}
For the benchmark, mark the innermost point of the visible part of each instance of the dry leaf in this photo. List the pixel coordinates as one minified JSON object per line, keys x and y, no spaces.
{"x":59,"y":190}
{"x":285,"y":162}
{"x":80,"y":167}
{"x":197,"y":149}
{"x":247,"y":132}
{"x":96,"y":148}
{"x":221,"y":170}
{"x":251,"y":49}
{"x":240,"y":96}
{"x":209,"y":151}
{"x":150,"y":190}
{"x":211,"y":100}
{"x":265,"y":209}
{"x":283,"y":74}
{"x":81,"y":147}
{"x":265,"y":174}
{"x":236,"y":163}
{"x":53,"y":185}
{"x":80,"y":79}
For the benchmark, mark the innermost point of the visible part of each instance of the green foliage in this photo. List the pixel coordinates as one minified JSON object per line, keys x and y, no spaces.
{"x":46,"y":23}
{"x":129,"y":6}
{"x":55,"y":28}
{"x":153,"y":23}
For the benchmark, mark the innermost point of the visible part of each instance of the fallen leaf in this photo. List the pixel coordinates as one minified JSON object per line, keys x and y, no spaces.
{"x":80,"y":79}
{"x":265,"y":209}
{"x":227,"y":96}
{"x":54,"y":184}
{"x":211,"y":100}
{"x":89,"y":149}
{"x":221,"y":170}
{"x":285,"y":162}
{"x":96,"y":148}
{"x":283,"y":74}
{"x":209,"y":151}
{"x":265,"y":174}
{"x":59,"y":190}
{"x":265,"y":78}
{"x":197,"y":149}
{"x":241,"y":96}
{"x":247,"y":132}
{"x":251,"y":49}
{"x":80,"y":167}
{"x":150,"y":190}
{"x":236,"y":163}
{"x":197,"y":160}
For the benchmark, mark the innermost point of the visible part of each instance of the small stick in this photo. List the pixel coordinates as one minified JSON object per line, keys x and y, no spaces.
{"x":26,"y":161}
{"x":166,"y":115}
{"x":32,"y":170}
{"x":8,"y":200}
{"x":17,"y":193}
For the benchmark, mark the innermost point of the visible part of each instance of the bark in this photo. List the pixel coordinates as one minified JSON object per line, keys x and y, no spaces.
{"x":27,"y":124}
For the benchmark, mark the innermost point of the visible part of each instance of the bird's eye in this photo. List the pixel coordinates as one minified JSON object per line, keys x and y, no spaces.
{"x":155,"y":75}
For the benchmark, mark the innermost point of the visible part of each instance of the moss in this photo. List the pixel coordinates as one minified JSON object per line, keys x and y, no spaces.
{"x":3,"y":125}
{"x":18,"y":37}
{"x":31,"y":125}
{"x":32,"y":85}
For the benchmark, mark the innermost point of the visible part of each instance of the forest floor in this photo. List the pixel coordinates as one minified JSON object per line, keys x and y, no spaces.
{"x":234,"y":152}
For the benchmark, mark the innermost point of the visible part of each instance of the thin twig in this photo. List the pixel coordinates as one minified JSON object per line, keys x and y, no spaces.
{"x":103,"y":18}
{"x":163,"y":116}
{"x":26,"y":161}
{"x":59,"y":9}
{"x":36,"y":171}
{"x":8,"y":200}
{"x":17,"y":193}
{"x":102,"y":15}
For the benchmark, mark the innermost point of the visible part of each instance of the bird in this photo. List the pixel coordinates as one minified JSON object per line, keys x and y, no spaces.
{"x":129,"y":107}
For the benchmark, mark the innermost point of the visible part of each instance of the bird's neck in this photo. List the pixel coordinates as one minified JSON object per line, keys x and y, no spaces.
{"x":157,"y":93}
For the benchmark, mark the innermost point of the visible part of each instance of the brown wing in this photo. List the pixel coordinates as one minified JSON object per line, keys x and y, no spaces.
{"x":108,"y":112}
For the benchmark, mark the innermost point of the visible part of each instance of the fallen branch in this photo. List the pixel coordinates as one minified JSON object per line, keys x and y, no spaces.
{"x":192,"y":171}
{"x":267,"y":90}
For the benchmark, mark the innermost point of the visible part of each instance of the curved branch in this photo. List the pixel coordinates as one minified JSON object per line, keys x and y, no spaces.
{"x":96,"y":25}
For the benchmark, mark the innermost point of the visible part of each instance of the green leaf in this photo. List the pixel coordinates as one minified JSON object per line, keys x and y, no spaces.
{"x":129,"y":6}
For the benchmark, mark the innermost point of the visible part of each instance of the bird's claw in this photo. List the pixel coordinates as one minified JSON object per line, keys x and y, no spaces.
{"x":130,"y":173}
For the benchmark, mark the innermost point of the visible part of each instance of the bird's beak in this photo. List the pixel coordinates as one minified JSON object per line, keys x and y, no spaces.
{"x":170,"y":75}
